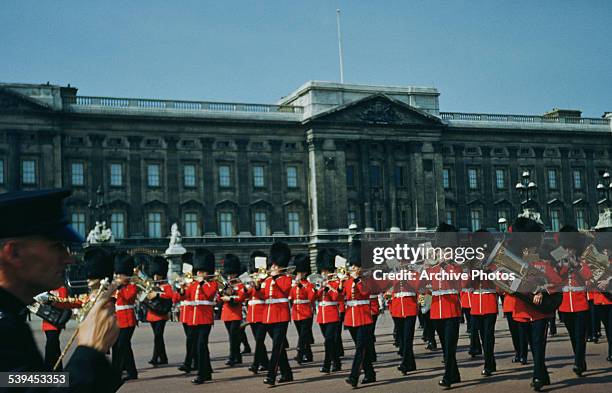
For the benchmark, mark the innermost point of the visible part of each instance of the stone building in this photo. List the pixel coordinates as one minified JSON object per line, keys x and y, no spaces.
{"x":236,"y":176}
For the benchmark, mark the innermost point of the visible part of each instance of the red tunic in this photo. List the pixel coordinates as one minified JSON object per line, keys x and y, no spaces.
{"x":166,"y":293}
{"x":444,"y":294}
{"x":483,"y":298}
{"x":61,"y":292}
{"x":357,"y":304}
{"x":124,"y":306}
{"x":276,"y":295}
{"x":524,"y":312}
{"x":404,"y":299}
{"x":466,"y":290}
{"x":574,"y":289}
{"x":302,"y":300}
{"x":328,"y":306}
{"x":255,"y":305}
{"x":232,"y":310}
{"x":201,"y":296}
{"x":185,"y":309}
{"x":508,"y":305}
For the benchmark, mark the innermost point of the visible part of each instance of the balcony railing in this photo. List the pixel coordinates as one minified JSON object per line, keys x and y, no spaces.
{"x":88,"y":102}
{"x":522,"y":118}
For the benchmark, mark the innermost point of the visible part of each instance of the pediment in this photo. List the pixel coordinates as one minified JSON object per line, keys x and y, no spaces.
{"x":11,"y":101}
{"x":378,"y":109}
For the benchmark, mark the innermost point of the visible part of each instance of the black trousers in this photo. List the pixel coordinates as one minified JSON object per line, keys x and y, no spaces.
{"x":405,"y":327}
{"x":159,"y":347}
{"x":605,"y":315}
{"x":191,"y":347}
{"x":122,"y":356}
{"x":398,"y":334}
{"x":514,"y":334}
{"x":575,"y":322}
{"x":475,"y":335}
{"x":465,"y":313}
{"x":362,"y":337}
{"x":448,"y":332}
{"x":52,"y":350}
{"x":201,"y":334}
{"x":484,"y":327}
{"x":304,"y":330}
{"x":593,"y":324}
{"x":428,"y":329}
{"x":524,"y":330}
{"x":244,"y":340}
{"x":339,"y":340}
{"x":538,"y":330}
{"x":234,"y":334}
{"x":330,"y":335}
{"x":260,"y":358}
{"x":278,"y":358}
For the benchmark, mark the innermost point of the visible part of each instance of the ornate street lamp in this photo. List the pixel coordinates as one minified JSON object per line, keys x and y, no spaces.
{"x":604,"y":188}
{"x":528,"y":191}
{"x":99,"y":210}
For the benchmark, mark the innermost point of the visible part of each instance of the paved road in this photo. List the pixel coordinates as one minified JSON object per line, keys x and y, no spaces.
{"x":509,"y":377}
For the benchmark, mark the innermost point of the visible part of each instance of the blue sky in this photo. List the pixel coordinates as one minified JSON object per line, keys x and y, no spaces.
{"x":492,"y":56}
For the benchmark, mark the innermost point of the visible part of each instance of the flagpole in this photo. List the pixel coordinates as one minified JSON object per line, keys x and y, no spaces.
{"x":340,"y":46}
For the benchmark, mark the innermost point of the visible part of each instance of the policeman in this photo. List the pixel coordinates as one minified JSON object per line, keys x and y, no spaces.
{"x":123,"y":356}
{"x":358,"y":319}
{"x":302,"y":298}
{"x":34,"y":232}
{"x":232,"y":297}
{"x":445,"y":310}
{"x":276,"y":290}
{"x":328,"y":312}
{"x":163,"y":290}
{"x":202,"y":294}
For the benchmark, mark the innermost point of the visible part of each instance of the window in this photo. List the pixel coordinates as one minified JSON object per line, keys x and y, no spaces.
{"x":153,"y":175}
{"x":450,"y":219}
{"x":116,"y":175}
{"x":189,"y":175}
{"x":581,"y":219}
{"x":258,"y":176}
{"x":446,"y":178}
{"x":28,"y":172}
{"x":350,"y":176}
{"x":226,"y":224}
{"x":77,"y":174}
{"x":293,"y":221}
{"x":555,"y":220}
{"x":118,"y":225}
{"x":476,"y":219}
{"x":261,"y":224}
{"x":78,"y":223}
{"x":154,"y":224}
{"x":292,"y":177}
{"x":224,"y":176}
{"x":191,"y":224}
{"x":1,"y":171}
{"x":400,"y":176}
{"x":352,"y":217}
{"x":375,"y":175}
{"x":473,"y":179}
{"x":552,"y":179}
{"x":379,"y":220}
{"x":577,"y":177}
{"x":500,"y":179}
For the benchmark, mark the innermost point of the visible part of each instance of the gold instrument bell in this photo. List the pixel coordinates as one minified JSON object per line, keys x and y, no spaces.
{"x":506,"y":262}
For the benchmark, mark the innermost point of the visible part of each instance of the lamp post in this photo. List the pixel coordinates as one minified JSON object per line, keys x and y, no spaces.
{"x":604,"y":188}
{"x":99,"y":210}
{"x":528,"y":191}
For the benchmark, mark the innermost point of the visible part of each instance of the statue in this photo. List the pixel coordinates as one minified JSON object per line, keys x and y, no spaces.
{"x":175,"y":247}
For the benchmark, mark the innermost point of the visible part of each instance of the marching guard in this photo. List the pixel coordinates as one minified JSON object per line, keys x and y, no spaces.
{"x":302,"y":298}
{"x":232,"y":297}
{"x":163,"y":293}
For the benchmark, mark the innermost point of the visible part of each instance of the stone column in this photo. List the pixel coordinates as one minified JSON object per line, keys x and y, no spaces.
{"x":208,"y":187}
{"x":592,"y":178}
{"x":390,"y":188}
{"x":540,"y":179}
{"x":316,"y":188}
{"x":566,"y":186}
{"x":243,"y":187}
{"x":460,"y":180}
{"x":341,"y":199}
{"x":489,"y":213}
{"x":277,"y":184}
{"x":418,"y":184}
{"x":366,"y":194}
{"x":438,"y":186}
{"x":136,"y":225}
{"x":514,"y":176}
{"x":13,"y":161}
{"x":172,"y":176}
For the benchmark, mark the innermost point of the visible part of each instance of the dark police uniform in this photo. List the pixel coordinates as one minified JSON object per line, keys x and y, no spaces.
{"x":41,"y":213}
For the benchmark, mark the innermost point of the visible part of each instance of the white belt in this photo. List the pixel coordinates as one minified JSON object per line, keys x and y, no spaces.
{"x":484,"y":290}
{"x":444,"y":292}
{"x":301,"y":301}
{"x":323,"y":304}
{"x":373,"y":296}
{"x":203,"y":303}
{"x":275,"y":301}
{"x":186,"y":303}
{"x":124,"y":307}
{"x":467,"y":289}
{"x":254,"y":302}
{"x":404,"y":294}
{"x":353,"y":303}
{"x":573,"y":289}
